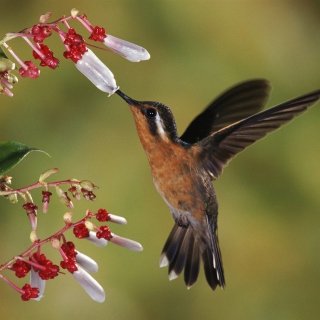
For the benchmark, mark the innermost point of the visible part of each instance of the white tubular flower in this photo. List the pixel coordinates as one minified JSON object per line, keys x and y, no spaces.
{"x":37,"y":282}
{"x":128,"y":50}
{"x":97,"y":72}
{"x":92,"y":287}
{"x":126,"y":243}
{"x":86,"y":262}
{"x":98,"y":242}
{"x":117,"y":219}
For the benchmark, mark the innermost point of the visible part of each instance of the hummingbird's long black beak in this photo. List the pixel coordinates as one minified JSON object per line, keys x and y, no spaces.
{"x":127,"y":99}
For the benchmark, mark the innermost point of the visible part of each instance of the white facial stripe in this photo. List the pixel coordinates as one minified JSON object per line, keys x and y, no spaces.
{"x":159,"y":126}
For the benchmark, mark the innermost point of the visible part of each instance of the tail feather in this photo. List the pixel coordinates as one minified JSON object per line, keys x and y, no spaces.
{"x":172,"y":245}
{"x":182,"y":251}
{"x":178,"y":263}
{"x":209,"y":270}
{"x":215,"y":255}
{"x":192,"y":267}
{"x":217,"y":260}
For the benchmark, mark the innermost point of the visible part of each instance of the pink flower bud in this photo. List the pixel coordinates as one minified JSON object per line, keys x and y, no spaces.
{"x":31,"y":210}
{"x":13,"y":198}
{"x":67,"y":217}
{"x":33,"y":236}
{"x":63,"y":197}
{"x":87,"y":185}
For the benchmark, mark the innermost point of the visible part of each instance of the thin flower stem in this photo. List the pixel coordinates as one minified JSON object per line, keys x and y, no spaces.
{"x":11,"y":284}
{"x":36,"y":49}
{"x":61,"y":33}
{"x":26,"y":32}
{"x":15,"y":56}
{"x":19,"y":34}
{"x":38,"y":185}
{"x":54,"y":23}
{"x":62,"y":36}
{"x":85,"y":23}
{"x":12,"y":35}
{"x":36,"y":265}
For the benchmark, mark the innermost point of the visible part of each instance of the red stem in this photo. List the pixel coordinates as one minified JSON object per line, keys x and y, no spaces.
{"x":38,"y":185}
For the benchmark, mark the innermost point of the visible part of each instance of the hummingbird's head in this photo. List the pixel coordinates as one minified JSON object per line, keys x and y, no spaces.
{"x":154,"y":121}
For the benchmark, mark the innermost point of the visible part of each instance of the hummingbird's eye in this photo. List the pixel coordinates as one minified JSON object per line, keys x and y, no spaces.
{"x":150,"y":112}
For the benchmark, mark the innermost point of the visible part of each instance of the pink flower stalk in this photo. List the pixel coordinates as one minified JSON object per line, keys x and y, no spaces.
{"x":89,"y":284}
{"x":28,"y":69}
{"x":27,"y":292}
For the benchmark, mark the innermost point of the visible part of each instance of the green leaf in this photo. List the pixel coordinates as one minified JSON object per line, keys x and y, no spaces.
{"x":11,"y":153}
{"x":2,"y":54}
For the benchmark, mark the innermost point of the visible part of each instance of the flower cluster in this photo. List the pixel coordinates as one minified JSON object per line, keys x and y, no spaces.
{"x":76,"y":50}
{"x":34,"y":261}
{"x":76,"y":188}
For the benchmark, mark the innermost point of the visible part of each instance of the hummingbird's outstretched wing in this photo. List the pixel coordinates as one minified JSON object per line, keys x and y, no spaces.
{"x":181,"y":251}
{"x":239,"y":102}
{"x":218,"y":149}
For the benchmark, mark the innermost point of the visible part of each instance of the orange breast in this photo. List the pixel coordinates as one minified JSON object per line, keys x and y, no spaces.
{"x":178,"y":179}
{"x":176,"y":172}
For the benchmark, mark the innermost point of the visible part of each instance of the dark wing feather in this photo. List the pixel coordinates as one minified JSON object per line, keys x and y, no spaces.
{"x":233,"y":105}
{"x":221,"y":146}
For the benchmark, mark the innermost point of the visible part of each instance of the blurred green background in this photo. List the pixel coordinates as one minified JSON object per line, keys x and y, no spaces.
{"x":269,"y":219}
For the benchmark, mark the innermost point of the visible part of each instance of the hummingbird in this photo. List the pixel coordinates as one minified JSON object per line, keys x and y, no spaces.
{"x":183,"y":168}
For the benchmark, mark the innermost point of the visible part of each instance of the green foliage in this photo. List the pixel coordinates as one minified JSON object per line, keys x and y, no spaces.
{"x":11,"y":153}
{"x":2,"y":54}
